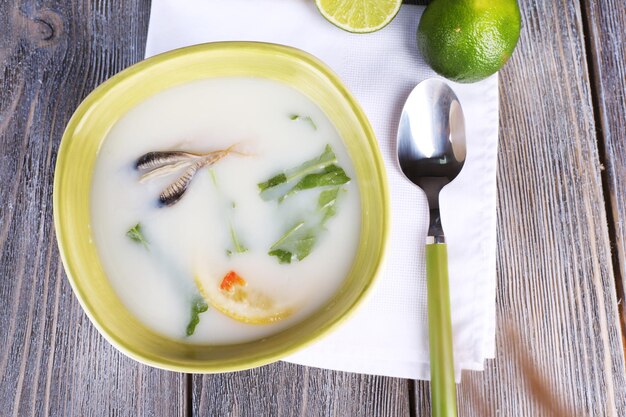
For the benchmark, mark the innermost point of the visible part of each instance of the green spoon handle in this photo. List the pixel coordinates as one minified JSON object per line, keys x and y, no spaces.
{"x":442,"y":385}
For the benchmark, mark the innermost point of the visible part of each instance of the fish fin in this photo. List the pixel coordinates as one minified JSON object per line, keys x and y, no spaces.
{"x":152,"y":160}
{"x":176,"y":190}
{"x":163,"y":170}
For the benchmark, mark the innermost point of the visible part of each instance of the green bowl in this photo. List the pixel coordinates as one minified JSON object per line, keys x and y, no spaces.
{"x":88,"y":129}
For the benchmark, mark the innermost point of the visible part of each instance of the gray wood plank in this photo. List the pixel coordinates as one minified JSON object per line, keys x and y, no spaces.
{"x":559,"y":349}
{"x":284,"y":389}
{"x":606,"y":21}
{"x":53,"y":361}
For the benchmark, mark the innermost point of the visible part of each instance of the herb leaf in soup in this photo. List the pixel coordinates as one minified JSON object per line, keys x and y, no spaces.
{"x":307,"y":119}
{"x":213,"y":177}
{"x":283,"y":256}
{"x":327,"y":203}
{"x":295,"y":243}
{"x":277,"y":186}
{"x":321,"y":172}
{"x":326,"y":158}
{"x":298,"y":242}
{"x":198,"y":306}
{"x":331,"y":175}
{"x":273,"y":182}
{"x":135,"y":234}
{"x":239,"y":248}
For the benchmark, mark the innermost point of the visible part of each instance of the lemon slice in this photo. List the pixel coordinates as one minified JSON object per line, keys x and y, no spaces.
{"x":233,"y":298}
{"x":359,"y":16}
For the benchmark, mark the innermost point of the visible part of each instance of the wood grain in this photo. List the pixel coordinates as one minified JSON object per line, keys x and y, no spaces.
{"x":558,"y":327}
{"x":284,"y":389}
{"x":606,"y":22}
{"x":53,"y":362}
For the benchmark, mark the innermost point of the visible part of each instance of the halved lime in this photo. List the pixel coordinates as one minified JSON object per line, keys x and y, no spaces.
{"x":359,"y":16}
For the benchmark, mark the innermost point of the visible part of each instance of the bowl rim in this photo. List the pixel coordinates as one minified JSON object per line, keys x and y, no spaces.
{"x":63,"y":235}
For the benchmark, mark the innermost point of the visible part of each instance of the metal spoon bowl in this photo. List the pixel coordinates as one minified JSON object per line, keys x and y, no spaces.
{"x":431,"y":153}
{"x":431,"y":141}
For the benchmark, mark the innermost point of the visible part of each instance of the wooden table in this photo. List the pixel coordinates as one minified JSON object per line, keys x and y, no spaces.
{"x":561,"y":235}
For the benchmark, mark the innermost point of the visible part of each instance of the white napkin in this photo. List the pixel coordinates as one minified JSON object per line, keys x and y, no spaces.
{"x":388,"y":335}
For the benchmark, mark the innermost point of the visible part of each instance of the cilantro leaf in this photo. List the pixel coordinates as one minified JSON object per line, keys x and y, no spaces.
{"x":198,"y":306}
{"x":239,"y":248}
{"x":307,"y":119}
{"x":283,"y":256}
{"x":273,"y":182}
{"x":331,"y":175}
{"x":297,"y":242}
{"x":273,"y":188}
{"x":327,"y":203}
{"x":135,"y":234}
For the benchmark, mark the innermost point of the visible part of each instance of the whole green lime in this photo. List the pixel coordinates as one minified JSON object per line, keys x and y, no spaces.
{"x":468,"y":40}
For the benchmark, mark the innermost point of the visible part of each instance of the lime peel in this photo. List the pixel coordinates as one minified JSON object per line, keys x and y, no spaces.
{"x":467,"y":40}
{"x":242,"y":304}
{"x":359,"y":16}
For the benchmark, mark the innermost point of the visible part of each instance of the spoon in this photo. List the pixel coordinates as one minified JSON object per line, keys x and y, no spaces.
{"x":431,"y":153}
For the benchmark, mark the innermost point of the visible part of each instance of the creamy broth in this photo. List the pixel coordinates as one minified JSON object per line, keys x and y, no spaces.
{"x":190,"y":244}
